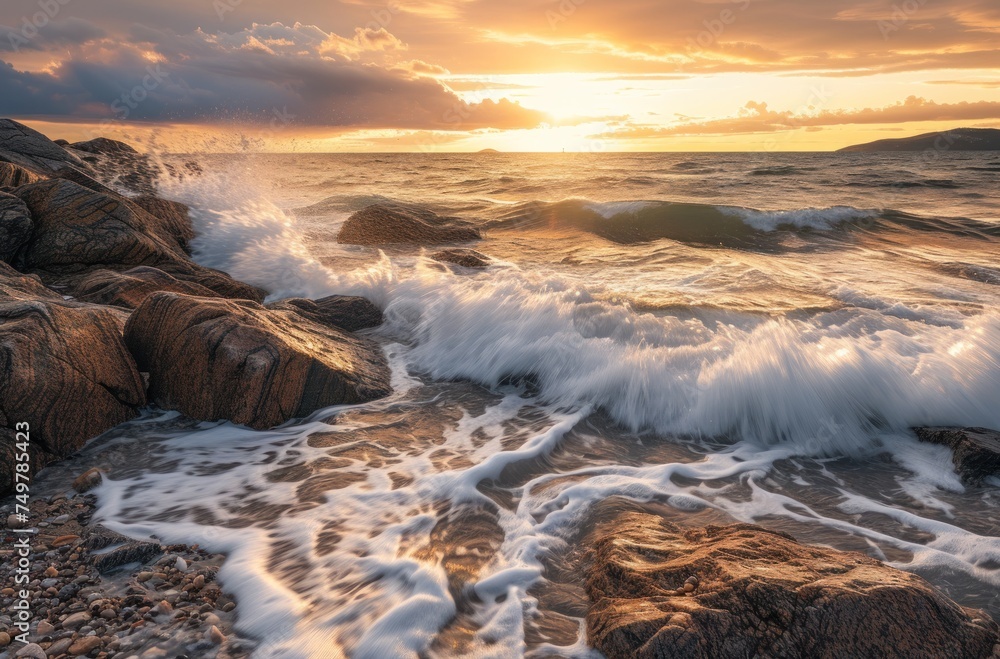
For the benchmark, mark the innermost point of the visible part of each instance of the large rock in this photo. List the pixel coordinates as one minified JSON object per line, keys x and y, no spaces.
{"x":341,"y":311}
{"x":13,"y":176}
{"x":78,"y":229}
{"x":18,"y":286}
{"x":15,"y":226}
{"x":218,"y":359}
{"x":760,"y":593}
{"x":30,"y":149}
{"x":65,"y":370}
{"x":128,"y":289}
{"x":173,"y":216}
{"x":975,"y":451}
{"x":387,"y":224}
{"x":119,"y":165}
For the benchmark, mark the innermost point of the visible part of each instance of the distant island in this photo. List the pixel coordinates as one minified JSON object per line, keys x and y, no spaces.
{"x":488,"y":151}
{"x":959,"y":139}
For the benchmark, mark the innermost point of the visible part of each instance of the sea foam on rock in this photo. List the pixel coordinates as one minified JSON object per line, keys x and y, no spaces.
{"x":740,"y":590}
{"x":975,"y":451}
{"x":389,"y":224}
{"x":218,"y":359}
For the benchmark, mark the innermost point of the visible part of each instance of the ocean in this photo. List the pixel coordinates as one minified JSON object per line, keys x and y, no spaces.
{"x":713,"y":336}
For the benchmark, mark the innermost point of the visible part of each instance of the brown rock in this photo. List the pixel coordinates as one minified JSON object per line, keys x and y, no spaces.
{"x":762,"y":594}
{"x":31,"y":150}
{"x":118,"y":164}
{"x":13,"y":176}
{"x":128,"y":289}
{"x":975,"y":451}
{"x":340,"y":311}
{"x":76,"y":228}
{"x":219,"y":359}
{"x":85,"y":645}
{"x":387,"y":224}
{"x":173,"y":216}
{"x":17,"y":286}
{"x":214,"y":280}
{"x":15,"y":226}
{"x":65,"y":370}
{"x":467,"y":258}
{"x":88,"y":480}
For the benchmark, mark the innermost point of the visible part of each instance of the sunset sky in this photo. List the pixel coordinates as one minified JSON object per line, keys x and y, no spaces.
{"x":517,"y":75}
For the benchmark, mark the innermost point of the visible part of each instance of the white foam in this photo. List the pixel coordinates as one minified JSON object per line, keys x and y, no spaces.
{"x":812,"y":218}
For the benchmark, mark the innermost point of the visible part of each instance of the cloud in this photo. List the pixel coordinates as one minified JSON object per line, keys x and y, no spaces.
{"x":757,"y":117}
{"x":33,"y":35}
{"x":248,"y":76}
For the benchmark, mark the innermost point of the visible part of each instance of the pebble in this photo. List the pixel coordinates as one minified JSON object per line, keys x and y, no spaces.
{"x":60,"y":647}
{"x":181,"y":564}
{"x":143,"y":577}
{"x":14,"y":523}
{"x":215,"y":636}
{"x":4,"y":639}
{"x":88,"y":480}
{"x":32,"y":650}
{"x":51,"y":572}
{"x":76,"y":620}
{"x":199,"y":581}
{"x":61,"y":519}
{"x":45,"y":628}
{"x":85,"y":645}
{"x":64,"y":541}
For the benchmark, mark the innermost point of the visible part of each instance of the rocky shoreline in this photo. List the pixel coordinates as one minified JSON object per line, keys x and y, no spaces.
{"x":104,"y":315}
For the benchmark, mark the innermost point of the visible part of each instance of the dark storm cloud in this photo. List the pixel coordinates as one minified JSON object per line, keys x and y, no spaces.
{"x":318,"y":78}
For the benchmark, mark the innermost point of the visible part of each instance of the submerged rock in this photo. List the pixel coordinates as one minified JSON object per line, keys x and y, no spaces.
{"x":387,"y":224}
{"x":975,"y":451}
{"x":64,"y":370}
{"x":743,"y":591}
{"x":467,"y":258}
{"x":128,"y":289}
{"x":341,"y":311}
{"x":15,"y":226}
{"x":217,"y":359}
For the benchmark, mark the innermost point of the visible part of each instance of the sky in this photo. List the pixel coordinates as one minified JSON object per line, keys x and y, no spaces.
{"x":516,"y":75}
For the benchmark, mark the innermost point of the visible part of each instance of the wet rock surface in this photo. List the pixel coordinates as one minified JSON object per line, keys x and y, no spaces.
{"x":657,"y":590}
{"x":341,"y":311}
{"x":389,"y":224}
{"x":467,"y":258}
{"x":30,"y":149}
{"x":15,"y":226}
{"x":156,"y":600}
{"x":128,"y":289}
{"x":64,"y":369}
{"x":975,"y":451}
{"x":219,"y":359}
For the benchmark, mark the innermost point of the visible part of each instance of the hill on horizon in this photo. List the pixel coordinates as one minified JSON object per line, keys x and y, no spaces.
{"x":958,"y":139}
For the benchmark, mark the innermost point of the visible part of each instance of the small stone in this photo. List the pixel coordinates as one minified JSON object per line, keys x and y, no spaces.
{"x":229,"y":607}
{"x":181,"y":564}
{"x":32,"y":650}
{"x":162,"y":608}
{"x":88,"y":480}
{"x":76,"y":620}
{"x":679,"y":592}
{"x":211,"y":619}
{"x":693,"y":581}
{"x":14,"y":522}
{"x":199,"y":581}
{"x":45,"y":628}
{"x":688,"y":588}
{"x":109,"y":614}
{"x":143,"y":577}
{"x":85,"y":645}
{"x":51,"y":572}
{"x":4,"y":639}
{"x":60,"y":647}
{"x":62,"y":519}
{"x":215,"y":636}
{"x":64,"y":541}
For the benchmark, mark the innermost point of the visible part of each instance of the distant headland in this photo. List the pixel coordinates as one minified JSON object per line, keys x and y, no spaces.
{"x":959,"y":139}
